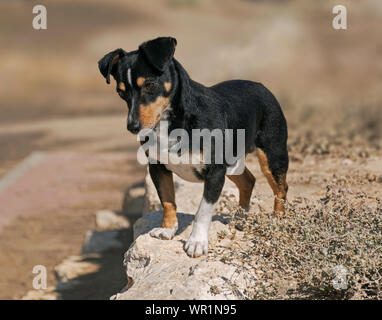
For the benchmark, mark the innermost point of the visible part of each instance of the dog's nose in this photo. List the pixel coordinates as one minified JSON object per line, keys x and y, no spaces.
{"x":134,"y":126}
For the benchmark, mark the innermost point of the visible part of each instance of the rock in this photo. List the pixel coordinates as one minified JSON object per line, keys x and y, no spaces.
{"x":347,"y":162}
{"x":72,"y":268}
{"x":106,"y":220}
{"x":100,"y":241}
{"x":160,"y":269}
{"x":48,"y":294}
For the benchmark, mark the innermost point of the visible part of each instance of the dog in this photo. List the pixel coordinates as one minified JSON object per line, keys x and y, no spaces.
{"x":155,"y":87}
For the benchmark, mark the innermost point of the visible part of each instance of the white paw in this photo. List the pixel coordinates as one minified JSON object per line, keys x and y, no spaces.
{"x":163,"y":233}
{"x":196,"y":248}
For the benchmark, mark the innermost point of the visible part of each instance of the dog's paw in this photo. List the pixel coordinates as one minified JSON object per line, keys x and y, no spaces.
{"x":196,"y":248}
{"x":163,"y":233}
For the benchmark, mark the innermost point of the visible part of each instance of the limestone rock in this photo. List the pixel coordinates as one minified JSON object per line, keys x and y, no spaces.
{"x":48,"y":294}
{"x":106,"y":220}
{"x":72,"y":268}
{"x":160,"y":269}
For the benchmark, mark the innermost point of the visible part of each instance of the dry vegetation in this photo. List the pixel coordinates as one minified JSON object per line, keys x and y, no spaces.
{"x":347,"y":132}
{"x":300,"y":255}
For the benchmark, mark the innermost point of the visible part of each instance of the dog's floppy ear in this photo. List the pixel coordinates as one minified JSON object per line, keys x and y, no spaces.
{"x":107,"y":64}
{"x":159,"y":52}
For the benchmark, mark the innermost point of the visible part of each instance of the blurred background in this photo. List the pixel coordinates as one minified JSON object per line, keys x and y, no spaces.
{"x":54,"y":100}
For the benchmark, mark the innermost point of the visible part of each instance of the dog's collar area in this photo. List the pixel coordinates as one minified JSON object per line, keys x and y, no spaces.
{"x":166,"y":111}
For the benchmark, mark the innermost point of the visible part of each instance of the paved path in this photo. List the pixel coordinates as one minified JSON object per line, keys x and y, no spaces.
{"x":48,"y":181}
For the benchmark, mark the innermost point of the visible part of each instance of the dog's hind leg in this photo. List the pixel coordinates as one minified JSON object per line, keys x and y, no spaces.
{"x":164,"y":184}
{"x":274,"y":166}
{"x":245,"y":182}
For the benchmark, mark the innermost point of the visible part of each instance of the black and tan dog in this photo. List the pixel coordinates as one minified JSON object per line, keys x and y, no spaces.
{"x":155,"y":87}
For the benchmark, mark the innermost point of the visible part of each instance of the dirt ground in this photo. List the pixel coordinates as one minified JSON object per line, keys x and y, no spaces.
{"x":53,"y":99}
{"x":45,"y":220}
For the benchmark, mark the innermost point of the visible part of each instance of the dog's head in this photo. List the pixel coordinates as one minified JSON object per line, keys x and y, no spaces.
{"x":145,"y":80}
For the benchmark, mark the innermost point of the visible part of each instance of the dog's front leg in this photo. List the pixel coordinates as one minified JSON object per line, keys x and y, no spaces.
{"x":164,"y":184}
{"x":197,"y":244}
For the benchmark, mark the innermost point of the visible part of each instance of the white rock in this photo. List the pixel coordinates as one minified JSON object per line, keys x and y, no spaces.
{"x":106,"y":219}
{"x":48,"y":294}
{"x":69,"y":270}
{"x":73,"y":267}
{"x":160,"y":269}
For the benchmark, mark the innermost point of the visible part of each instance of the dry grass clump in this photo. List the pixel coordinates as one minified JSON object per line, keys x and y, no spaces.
{"x":327,"y":249}
{"x":352,"y":132}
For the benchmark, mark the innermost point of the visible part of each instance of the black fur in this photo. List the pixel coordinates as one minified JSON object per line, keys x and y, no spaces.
{"x":235,"y":104}
{"x":106,"y":66}
{"x":159,"y":53}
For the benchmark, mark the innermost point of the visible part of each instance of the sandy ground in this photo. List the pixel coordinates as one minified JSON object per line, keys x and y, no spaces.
{"x":53,"y":99}
{"x":47,"y":211}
